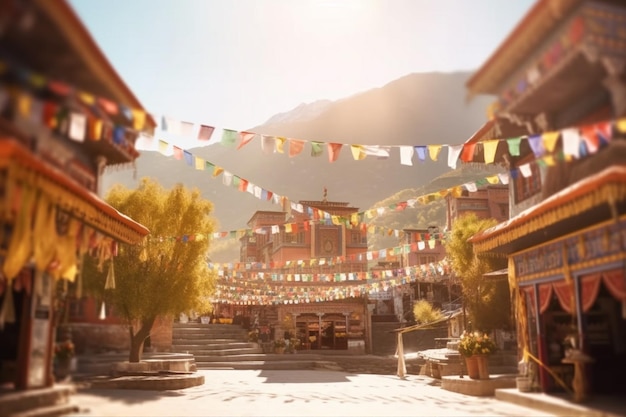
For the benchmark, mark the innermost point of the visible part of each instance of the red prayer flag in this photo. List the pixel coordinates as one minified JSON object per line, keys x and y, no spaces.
{"x":205,"y":132}
{"x":245,"y":137}
{"x":295,"y":147}
{"x":333,"y":151}
{"x":468,"y":152}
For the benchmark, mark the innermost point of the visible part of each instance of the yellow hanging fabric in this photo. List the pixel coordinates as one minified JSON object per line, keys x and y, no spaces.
{"x":44,"y":235}
{"x":21,"y":244}
{"x":66,"y":252}
{"x":110,"y":281}
{"x":433,"y":151}
{"x":7,"y":312}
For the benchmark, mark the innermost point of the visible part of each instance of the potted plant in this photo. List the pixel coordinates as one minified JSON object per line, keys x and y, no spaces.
{"x":64,"y":352}
{"x":253,"y":335}
{"x":279,"y":345}
{"x":475,"y":347}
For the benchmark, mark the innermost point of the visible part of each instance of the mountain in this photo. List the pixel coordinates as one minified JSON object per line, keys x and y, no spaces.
{"x":421,"y":108}
{"x":303,"y":112}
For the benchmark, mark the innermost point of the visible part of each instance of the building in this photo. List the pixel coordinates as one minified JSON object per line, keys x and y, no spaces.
{"x":65,"y":116}
{"x":560,"y":75}
{"x":305,"y":260}
{"x":490,"y":202}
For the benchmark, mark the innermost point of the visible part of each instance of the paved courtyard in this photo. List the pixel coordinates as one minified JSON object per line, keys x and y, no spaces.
{"x":296,"y":393}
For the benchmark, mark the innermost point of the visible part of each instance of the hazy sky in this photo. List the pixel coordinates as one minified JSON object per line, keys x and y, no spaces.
{"x":235,"y":63}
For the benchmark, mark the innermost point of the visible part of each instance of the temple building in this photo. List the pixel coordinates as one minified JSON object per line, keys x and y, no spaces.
{"x":302,"y":264}
{"x":65,"y":116}
{"x":560,"y":77}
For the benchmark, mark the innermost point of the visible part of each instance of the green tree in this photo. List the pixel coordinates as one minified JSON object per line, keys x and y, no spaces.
{"x":487,"y":302}
{"x":424,"y":312}
{"x":165,"y":275}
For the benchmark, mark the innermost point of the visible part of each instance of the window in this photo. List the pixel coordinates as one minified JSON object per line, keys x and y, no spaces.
{"x":525,"y":188}
{"x":356,"y":238}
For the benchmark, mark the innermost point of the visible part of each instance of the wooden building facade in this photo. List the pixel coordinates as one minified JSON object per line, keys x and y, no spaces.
{"x":561,"y":76}
{"x":61,"y":125}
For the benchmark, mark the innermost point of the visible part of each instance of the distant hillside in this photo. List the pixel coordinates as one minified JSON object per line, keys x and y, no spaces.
{"x":422,"y":216}
{"x":416,"y":109}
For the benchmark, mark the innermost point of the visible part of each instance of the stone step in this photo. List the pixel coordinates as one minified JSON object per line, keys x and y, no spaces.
{"x":194,"y":350}
{"x":225,"y":352}
{"x":102,"y":364}
{"x":206,"y":339}
{"x":205,"y":326}
{"x":21,"y":402}
{"x":205,"y":336}
{"x":157,"y":382}
{"x":56,"y":410}
{"x":213,"y":346}
{"x":232,"y":330}
{"x":261,"y":365}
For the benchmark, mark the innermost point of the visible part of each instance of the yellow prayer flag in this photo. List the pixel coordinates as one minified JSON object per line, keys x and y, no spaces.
{"x":139,"y":119}
{"x":96,"y":133}
{"x":217,"y":171}
{"x":86,"y":98}
{"x":621,"y":125}
{"x":456,"y":191}
{"x":288,"y":228}
{"x":494,"y":179}
{"x":357,"y":152}
{"x":335,"y":220}
{"x":162,"y":147}
{"x":489,"y":148}
{"x":280,"y":144}
{"x":549,"y":140}
{"x":433,"y":151}
{"x":199,"y":164}
{"x":371,"y":229}
{"x":23,"y":104}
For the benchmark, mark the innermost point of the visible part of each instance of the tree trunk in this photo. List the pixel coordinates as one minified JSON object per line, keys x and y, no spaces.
{"x":137,"y":339}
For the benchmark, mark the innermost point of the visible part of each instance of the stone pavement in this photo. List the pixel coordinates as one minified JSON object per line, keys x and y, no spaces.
{"x":296,"y":393}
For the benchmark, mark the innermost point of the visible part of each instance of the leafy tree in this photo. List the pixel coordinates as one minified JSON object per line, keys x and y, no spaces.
{"x":487,"y":301}
{"x":424,"y":312}
{"x":166,"y":274}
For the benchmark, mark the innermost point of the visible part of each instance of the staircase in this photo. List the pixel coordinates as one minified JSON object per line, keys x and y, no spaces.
{"x":226,"y":346}
{"x":45,"y":402}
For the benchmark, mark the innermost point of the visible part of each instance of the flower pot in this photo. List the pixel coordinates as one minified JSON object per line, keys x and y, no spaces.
{"x":483,"y":366}
{"x":472,"y":367}
{"x":523,"y":383}
{"x":62,"y":368}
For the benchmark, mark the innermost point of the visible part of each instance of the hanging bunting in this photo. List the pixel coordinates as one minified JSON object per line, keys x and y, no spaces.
{"x":489,"y":148}
{"x":357,"y":152}
{"x":295,"y":147}
{"x":434,"y":151}
{"x":514,"y":145}
{"x":279,"y":144}
{"x":317,"y":148}
{"x":268,"y":144}
{"x":229,"y":137}
{"x":406,"y":155}
{"x":245,"y":138}
{"x":333,"y":151}
{"x":453,"y":155}
{"x":205,"y":132}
